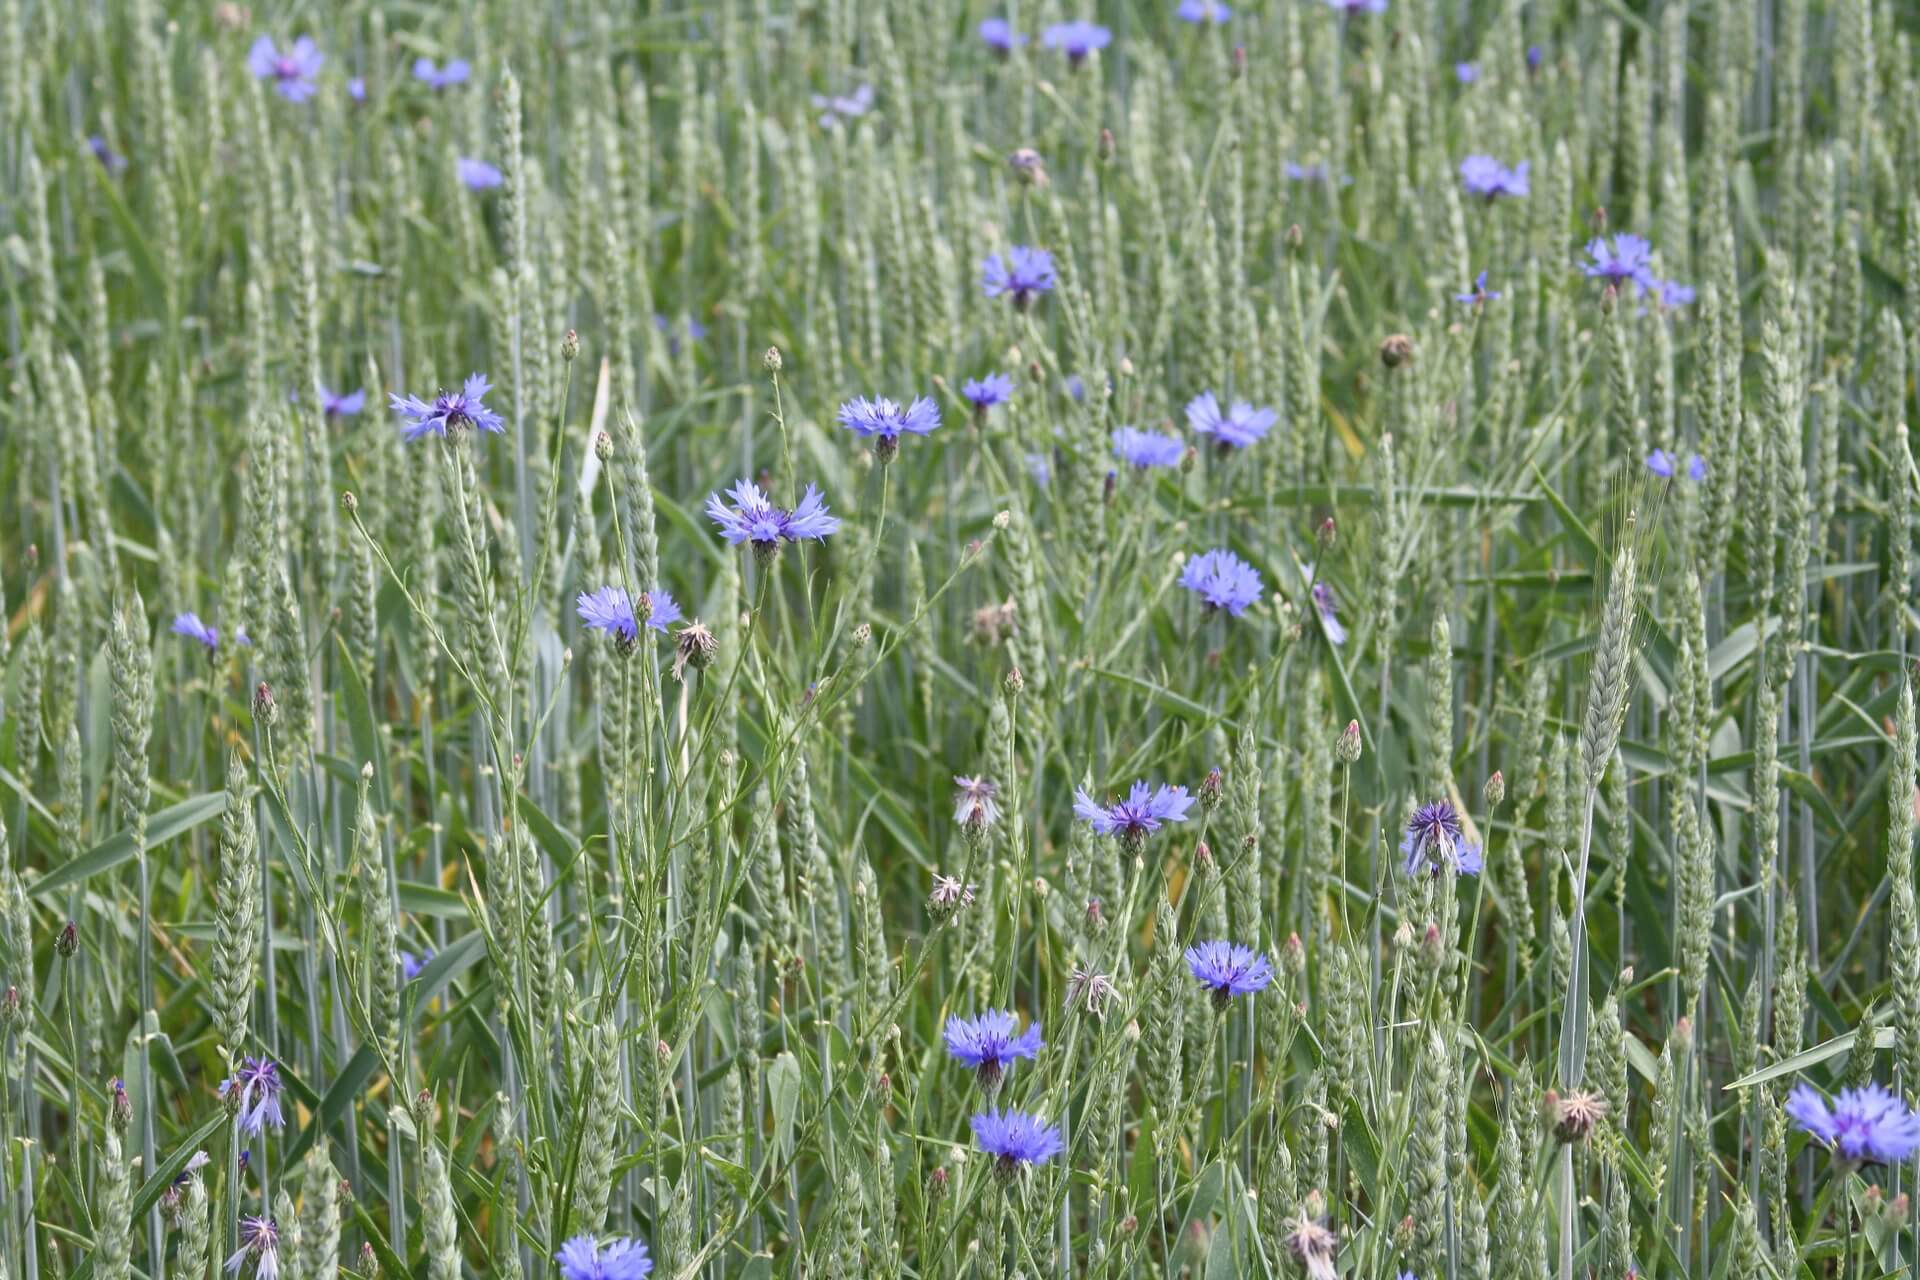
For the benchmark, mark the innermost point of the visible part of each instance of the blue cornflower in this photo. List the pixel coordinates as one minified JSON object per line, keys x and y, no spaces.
{"x":1207,"y":11}
{"x":1229,"y":970}
{"x":1660,"y":462}
{"x":999,"y":36}
{"x":259,"y":1236}
{"x":610,"y":610}
{"x":1238,"y":427}
{"x":1040,"y":467}
{"x":478,"y":175}
{"x":984,"y":393}
{"x":1479,"y":293}
{"x":1147,"y":448}
{"x":1325,"y":605}
{"x":1484,"y":176}
{"x":292,"y":72}
{"x":1223,"y":580}
{"x":1629,"y":257}
{"x":585,"y":1258}
{"x":449,"y":412}
{"x":1314,"y":172}
{"x":1016,"y":1139}
{"x":190,"y":626}
{"x":1360,"y":6}
{"x":834,"y":108}
{"x":696,"y":332}
{"x":1671,"y":293}
{"x":335,"y":405}
{"x":357,"y":88}
{"x":1136,"y":817}
{"x":989,"y":1044}
{"x":754,"y":519}
{"x":1869,"y":1123}
{"x":1076,"y":39}
{"x":112,"y":161}
{"x":1696,"y":468}
{"x":1433,"y":842}
{"x":437,"y":77}
{"x":1466,"y":72}
{"x":411,"y":964}
{"x":884,"y":420}
{"x":253,"y":1091}
{"x":1535,"y":56}
{"x":1024,"y":274}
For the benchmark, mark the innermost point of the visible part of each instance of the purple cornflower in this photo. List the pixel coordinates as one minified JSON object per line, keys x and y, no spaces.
{"x":1869,"y":1123}
{"x":1671,"y":293}
{"x":259,"y":1236}
{"x":1040,"y":467}
{"x":1326,"y":607}
{"x":988,"y":1044}
{"x":984,"y":393}
{"x":833,"y":108}
{"x":1660,"y":462}
{"x":335,"y":405}
{"x":609,"y":610}
{"x":1535,"y":56}
{"x":478,"y":175}
{"x":1147,"y":448}
{"x":253,"y":1091}
{"x":1486,"y":177}
{"x":1696,"y":468}
{"x":357,"y":89}
{"x":190,"y":626}
{"x":1433,"y":842}
{"x":411,"y":964}
{"x":1479,"y":293}
{"x":585,"y":1258}
{"x":1016,"y":1139}
{"x":884,"y":420}
{"x":1229,"y":970}
{"x":1629,"y":257}
{"x":1076,"y":39}
{"x":1222,"y":580}
{"x":974,"y":805}
{"x":449,"y":412}
{"x":1466,"y":72}
{"x":1360,"y":6}
{"x":1075,"y":387}
{"x":1238,"y":427}
{"x":998,"y":35}
{"x":112,"y":161}
{"x":696,"y":332}
{"x":1136,"y":817}
{"x":1203,"y":11}
{"x":754,"y":519}
{"x":1024,"y":274}
{"x":1315,"y":172}
{"x":437,"y":77}
{"x":292,"y":72}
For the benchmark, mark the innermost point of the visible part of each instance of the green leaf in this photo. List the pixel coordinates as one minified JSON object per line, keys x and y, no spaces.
{"x":1883,"y":1038}
{"x":429,"y":900}
{"x":367,"y":746}
{"x":347,"y":1087}
{"x":783,"y":1088}
{"x":116,"y":850}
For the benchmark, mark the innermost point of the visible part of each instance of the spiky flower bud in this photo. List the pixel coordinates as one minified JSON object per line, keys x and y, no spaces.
{"x":265,"y":709}
{"x":570,"y":345}
{"x":771,"y":361}
{"x":1346,"y":748}
{"x":66,"y":944}
{"x":1495,"y":791}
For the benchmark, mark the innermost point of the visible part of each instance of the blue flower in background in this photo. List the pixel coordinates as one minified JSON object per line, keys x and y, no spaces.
{"x":1629,"y":257}
{"x":1479,"y":293}
{"x":1076,"y":39}
{"x":437,"y":77}
{"x":478,"y":175}
{"x":1147,"y":448}
{"x":1240,"y":426}
{"x":999,"y":36}
{"x":1486,"y":177}
{"x":1142,"y":813}
{"x":292,"y":72}
{"x":984,"y":393}
{"x":1024,"y":274}
{"x":1223,"y":580}
{"x":1203,"y":11}
{"x":586,"y":1258}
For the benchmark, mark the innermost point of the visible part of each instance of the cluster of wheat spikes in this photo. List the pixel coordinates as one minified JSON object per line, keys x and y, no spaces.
{"x":897,"y":638}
